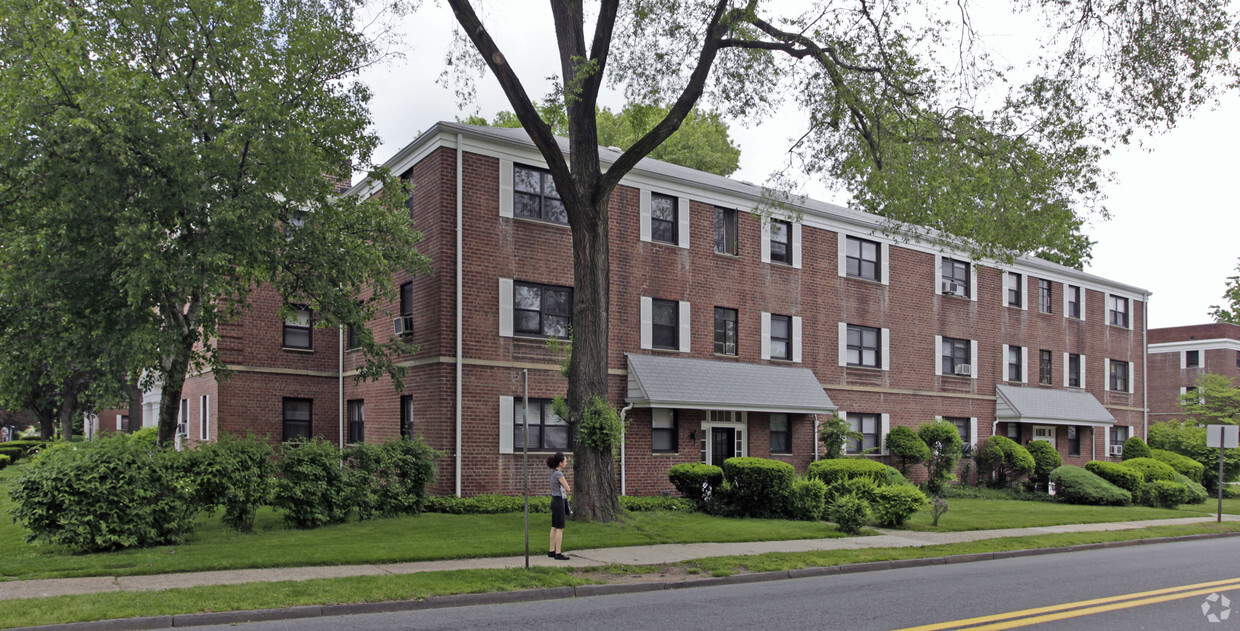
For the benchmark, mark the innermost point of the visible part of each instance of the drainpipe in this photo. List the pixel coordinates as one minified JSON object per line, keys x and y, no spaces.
{"x":623,"y":431}
{"x":1145,"y":379}
{"x":815,"y":438}
{"x":459,"y":305}
{"x":340,"y":385}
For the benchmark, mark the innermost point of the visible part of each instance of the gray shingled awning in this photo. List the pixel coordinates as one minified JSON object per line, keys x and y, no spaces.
{"x":703,"y":384}
{"x":1044,"y":406}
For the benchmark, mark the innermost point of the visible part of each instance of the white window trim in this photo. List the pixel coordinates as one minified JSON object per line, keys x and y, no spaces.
{"x":506,"y":425}
{"x":796,"y":245}
{"x":1066,"y":375}
{"x":938,"y":356}
{"x":886,"y":342}
{"x":1034,"y":433}
{"x":973,"y":430}
{"x":647,"y":323}
{"x":938,"y":276}
{"x":1024,"y":289}
{"x":843,"y":345}
{"x":794,"y":241}
{"x":644,"y":213}
{"x":1128,"y":312}
{"x":682,"y":218}
{"x":765,"y":247}
{"x":884,"y":271}
{"x":766,"y":335}
{"x":505,"y":188}
{"x":1106,"y":371}
{"x":684,"y":326}
{"x":796,"y":339}
{"x":505,"y":307}
{"x":795,"y":333}
{"x":204,"y":417}
{"x":883,"y":430}
{"x":973,"y":359}
{"x":1024,"y":363}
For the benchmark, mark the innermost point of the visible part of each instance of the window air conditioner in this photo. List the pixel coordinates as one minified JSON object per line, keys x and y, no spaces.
{"x":964,"y":369}
{"x":953,"y":289}
{"x":402,"y":325}
{"x":1115,"y":450}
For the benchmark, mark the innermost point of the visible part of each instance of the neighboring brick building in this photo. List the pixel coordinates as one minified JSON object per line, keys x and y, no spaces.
{"x":1179,"y":355}
{"x":886,"y":330}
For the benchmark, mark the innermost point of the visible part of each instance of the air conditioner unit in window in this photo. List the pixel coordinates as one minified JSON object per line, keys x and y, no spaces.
{"x":1116,"y":451}
{"x":964,"y":369}
{"x":953,"y":289}
{"x":402,"y":325}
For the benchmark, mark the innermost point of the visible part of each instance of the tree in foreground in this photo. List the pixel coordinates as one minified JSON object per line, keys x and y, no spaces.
{"x":184,"y":144}
{"x":1230,"y":310}
{"x":893,"y":114}
{"x":1216,"y":400}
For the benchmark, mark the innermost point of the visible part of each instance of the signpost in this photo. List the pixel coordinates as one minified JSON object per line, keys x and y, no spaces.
{"x":1223,"y":437}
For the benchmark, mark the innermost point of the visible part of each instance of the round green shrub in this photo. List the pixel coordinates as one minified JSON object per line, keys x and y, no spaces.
{"x":831,"y":471}
{"x":314,"y":489}
{"x":105,"y":494}
{"x":1045,"y":460}
{"x":1164,"y":493}
{"x":391,"y":478}
{"x":1152,"y":469}
{"x":1196,"y":493}
{"x":14,"y":453}
{"x":695,"y":480}
{"x":1127,"y":478}
{"x":850,"y":514}
{"x":893,"y":505}
{"x":1183,"y":465}
{"x":906,"y":447}
{"x":1135,"y":447}
{"x":807,"y":501}
{"x":236,"y":474}
{"x":945,"y":445}
{"x":1075,"y":485}
{"x":760,"y":487}
{"x":1001,"y":461}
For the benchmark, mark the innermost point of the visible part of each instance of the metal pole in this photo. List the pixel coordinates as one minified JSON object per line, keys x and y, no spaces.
{"x":1220,"y":476}
{"x":525,"y":458}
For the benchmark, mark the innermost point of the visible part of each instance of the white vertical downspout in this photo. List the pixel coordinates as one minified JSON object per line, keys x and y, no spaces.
{"x":459,"y":305}
{"x":340,"y":386}
{"x":623,"y":431}
{"x":815,"y":438}
{"x":1145,"y":379}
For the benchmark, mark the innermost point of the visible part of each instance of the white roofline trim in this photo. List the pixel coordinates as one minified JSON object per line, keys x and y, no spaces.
{"x":724,"y":407}
{"x":1225,"y":343}
{"x":1051,"y":421}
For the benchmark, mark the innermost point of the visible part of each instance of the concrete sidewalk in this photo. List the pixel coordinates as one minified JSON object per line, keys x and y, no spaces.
{"x":634,"y":555}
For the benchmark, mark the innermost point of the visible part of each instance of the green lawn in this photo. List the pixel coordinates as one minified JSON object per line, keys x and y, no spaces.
{"x":975,"y":514}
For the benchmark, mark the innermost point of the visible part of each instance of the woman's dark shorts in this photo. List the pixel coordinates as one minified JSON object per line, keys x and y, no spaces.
{"x":557,"y":512}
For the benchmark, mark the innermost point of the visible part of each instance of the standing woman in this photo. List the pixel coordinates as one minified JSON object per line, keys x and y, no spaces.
{"x":559,"y":495}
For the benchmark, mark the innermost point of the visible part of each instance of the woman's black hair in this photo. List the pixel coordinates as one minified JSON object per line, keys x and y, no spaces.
{"x":555,"y":459}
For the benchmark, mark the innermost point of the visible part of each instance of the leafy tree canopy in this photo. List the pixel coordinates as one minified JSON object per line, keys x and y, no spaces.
{"x":1230,"y":311}
{"x":1215,"y":401}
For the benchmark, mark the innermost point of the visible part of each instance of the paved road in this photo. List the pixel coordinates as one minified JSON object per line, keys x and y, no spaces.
{"x":892,"y":599}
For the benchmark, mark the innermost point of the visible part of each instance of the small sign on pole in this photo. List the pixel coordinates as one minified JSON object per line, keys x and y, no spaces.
{"x":1223,"y":437}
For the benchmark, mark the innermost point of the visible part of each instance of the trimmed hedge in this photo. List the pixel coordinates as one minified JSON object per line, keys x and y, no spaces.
{"x":14,"y":453}
{"x":1183,"y":465}
{"x":4,"y":461}
{"x":850,"y":514}
{"x":807,"y":501}
{"x":1075,"y":485}
{"x":695,"y":480}
{"x":1045,"y":460}
{"x":1127,"y":478}
{"x":27,"y":446}
{"x":1152,"y":469}
{"x":652,"y":503}
{"x":1135,"y":447}
{"x":1164,"y":493}
{"x":1001,"y":461}
{"x":893,"y":505}
{"x":760,"y":487}
{"x":835,"y":470}
{"x":906,"y":447}
{"x":1197,"y":493}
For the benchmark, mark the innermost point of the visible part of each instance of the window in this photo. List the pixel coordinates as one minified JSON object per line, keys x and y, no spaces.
{"x":123,"y":424}
{"x":1118,"y":309}
{"x":781,"y":435}
{"x":1119,"y":434}
{"x":406,"y":299}
{"x":663,"y":220}
{"x":1074,"y":440}
{"x":862,"y":258}
{"x":1044,"y":295}
{"x":725,"y":230}
{"x":725,"y":331}
{"x":781,"y":337}
{"x":548,"y":432}
{"x":1074,"y":302}
{"x":1044,"y":367}
{"x":204,"y":417}
{"x":665,"y":325}
{"x":1015,"y":360}
{"x":1015,"y":289}
{"x":1192,"y":359}
{"x":964,"y":426}
{"x":955,"y":353}
{"x":297,"y":328}
{"x":1074,"y":370}
{"x":406,"y":416}
{"x":1119,"y":376}
{"x":1013,"y":431}
{"x":183,"y":421}
{"x":534,"y":195}
{"x":1044,"y":433}
{"x":663,"y":431}
{"x":296,"y":425}
{"x":781,"y":241}
{"x":542,"y":310}
{"x":864,"y":346}
{"x":956,"y":278}
{"x":352,"y":340}
{"x":357,"y":427}
{"x":868,"y":425}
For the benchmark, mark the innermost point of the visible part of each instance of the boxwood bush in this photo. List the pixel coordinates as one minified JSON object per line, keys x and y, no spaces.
{"x":837,"y":469}
{"x":485,"y":504}
{"x":105,"y":494}
{"x":1001,"y":461}
{"x":760,"y":487}
{"x":906,"y":447}
{"x":1075,"y":485}
{"x":1127,"y":478}
{"x":1152,"y":469}
{"x":850,"y":514}
{"x":1164,"y":493}
{"x":1135,"y":447}
{"x":27,"y":446}
{"x":1196,"y":493}
{"x":1045,"y":460}
{"x":893,"y":505}
{"x":1183,"y":465}
{"x":14,"y":453}
{"x":695,"y":480}
{"x":4,"y":461}
{"x":861,"y":487}
{"x":807,"y":501}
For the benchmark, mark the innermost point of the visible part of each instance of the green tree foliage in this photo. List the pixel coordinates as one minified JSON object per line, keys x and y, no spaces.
{"x":1216,"y":401}
{"x":906,"y":447}
{"x":1002,"y":462}
{"x":1135,"y":447}
{"x":945,"y":450}
{"x":235,"y":474}
{"x":175,"y":153}
{"x":892,"y":114}
{"x":1045,"y":460}
{"x":701,"y":143}
{"x":835,"y":433}
{"x":1188,"y":439}
{"x":1230,"y":310}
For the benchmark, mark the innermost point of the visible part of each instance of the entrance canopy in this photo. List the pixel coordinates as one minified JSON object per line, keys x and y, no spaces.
{"x":1044,"y":406}
{"x":703,"y":384}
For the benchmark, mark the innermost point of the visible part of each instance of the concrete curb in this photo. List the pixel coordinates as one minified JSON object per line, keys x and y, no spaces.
{"x":583,"y":591}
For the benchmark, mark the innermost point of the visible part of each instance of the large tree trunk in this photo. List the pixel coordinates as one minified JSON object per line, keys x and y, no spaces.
{"x":67,"y":405}
{"x":47,"y":424}
{"x":135,"y":406}
{"x":175,"y":369}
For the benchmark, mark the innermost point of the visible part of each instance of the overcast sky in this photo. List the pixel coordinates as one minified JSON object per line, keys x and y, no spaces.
{"x":1175,"y":215}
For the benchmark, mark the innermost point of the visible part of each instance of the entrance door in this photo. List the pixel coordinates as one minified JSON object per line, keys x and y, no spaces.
{"x":722,"y":444}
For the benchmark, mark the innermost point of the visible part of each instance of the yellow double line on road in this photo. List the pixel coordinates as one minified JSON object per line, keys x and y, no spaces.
{"x":1027,"y":617}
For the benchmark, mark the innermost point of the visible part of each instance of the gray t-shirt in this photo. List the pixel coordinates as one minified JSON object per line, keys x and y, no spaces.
{"x":556,"y":489}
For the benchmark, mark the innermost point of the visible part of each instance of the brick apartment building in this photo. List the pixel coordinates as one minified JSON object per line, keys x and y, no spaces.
{"x":1180,"y":355}
{"x":729,"y":335}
